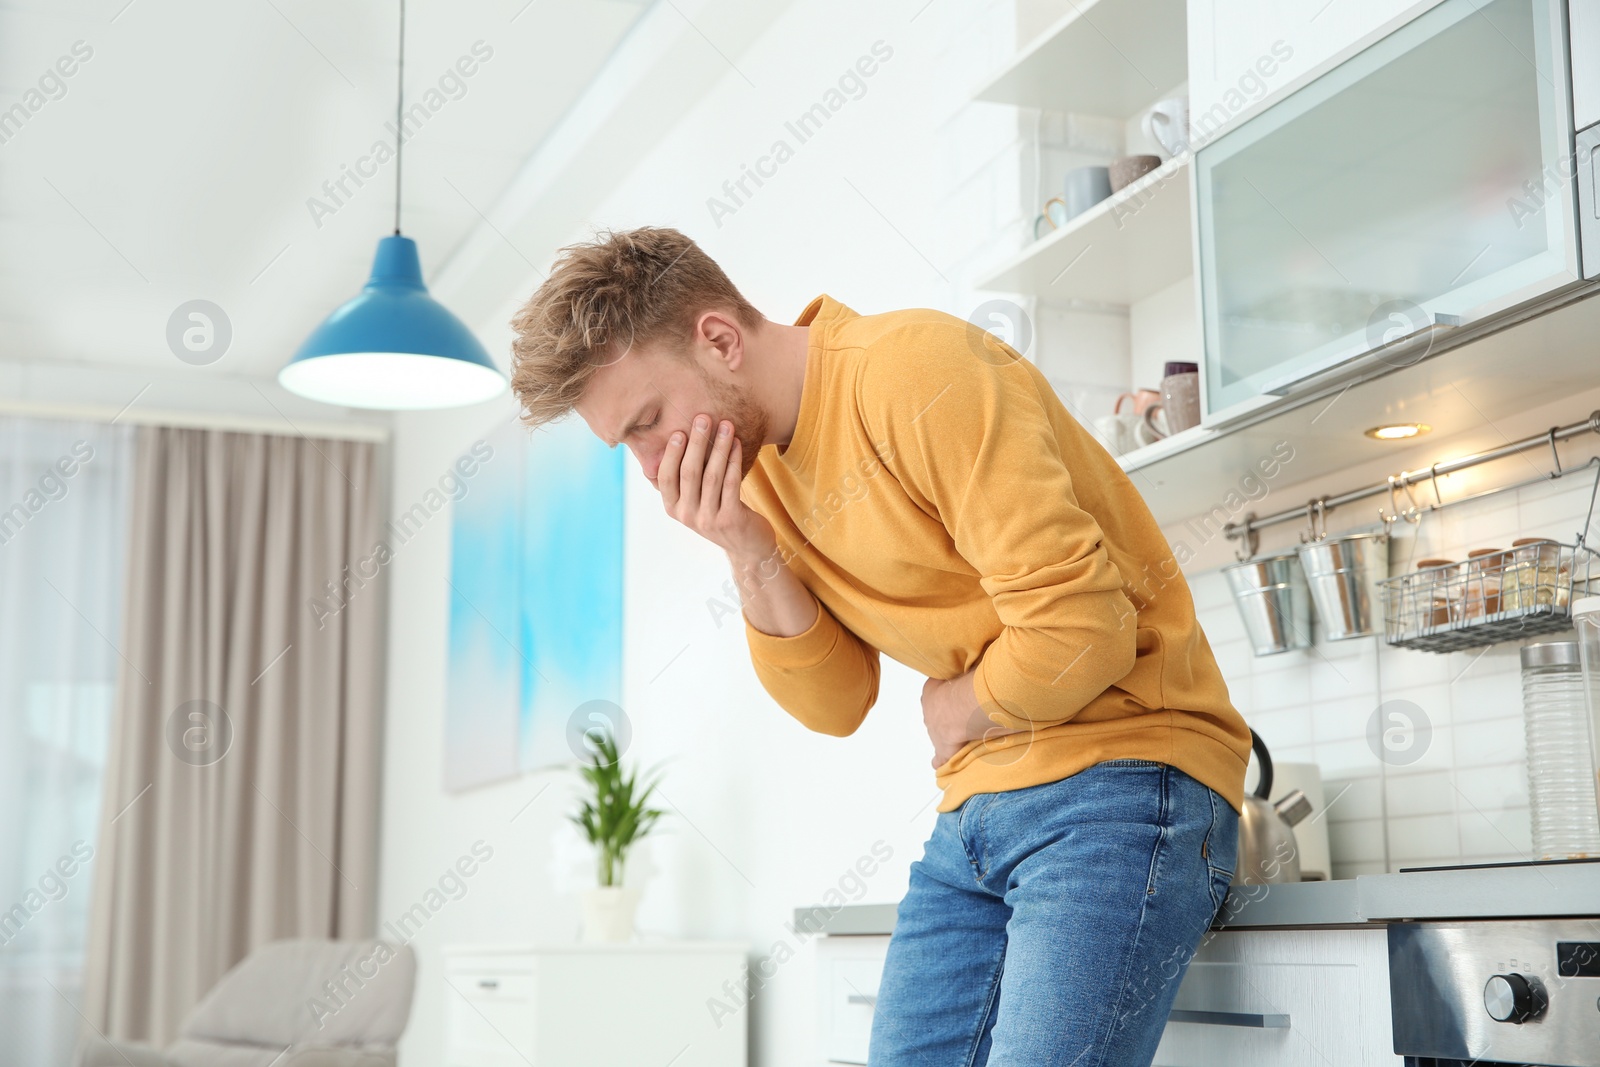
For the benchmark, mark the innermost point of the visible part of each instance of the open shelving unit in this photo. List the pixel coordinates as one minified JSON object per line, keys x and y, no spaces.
{"x":1126,"y":247}
{"x":1105,"y":57}
{"x":1109,"y":58}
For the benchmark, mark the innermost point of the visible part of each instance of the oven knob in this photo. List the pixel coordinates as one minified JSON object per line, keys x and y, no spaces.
{"x":1511,"y":998}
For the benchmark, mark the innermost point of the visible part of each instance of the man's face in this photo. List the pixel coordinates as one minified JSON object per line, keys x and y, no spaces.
{"x":640,"y":399}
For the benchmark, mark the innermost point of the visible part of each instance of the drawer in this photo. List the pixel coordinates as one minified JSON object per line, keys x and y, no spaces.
{"x":1286,"y":998}
{"x":490,"y":1018}
{"x":850,"y":969}
{"x":1229,"y":1014}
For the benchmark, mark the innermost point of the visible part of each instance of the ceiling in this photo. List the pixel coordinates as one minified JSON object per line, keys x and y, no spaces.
{"x":180,"y":159}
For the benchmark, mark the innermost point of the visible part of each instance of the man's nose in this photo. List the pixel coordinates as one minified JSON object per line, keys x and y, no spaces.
{"x":649,"y":463}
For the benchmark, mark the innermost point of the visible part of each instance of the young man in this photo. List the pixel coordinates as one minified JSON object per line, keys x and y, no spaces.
{"x":906,"y":484}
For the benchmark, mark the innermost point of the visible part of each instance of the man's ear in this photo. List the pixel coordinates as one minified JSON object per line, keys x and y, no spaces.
{"x":725,"y":338}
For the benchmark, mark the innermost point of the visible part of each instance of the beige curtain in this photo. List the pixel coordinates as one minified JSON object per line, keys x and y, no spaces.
{"x":241,"y":789}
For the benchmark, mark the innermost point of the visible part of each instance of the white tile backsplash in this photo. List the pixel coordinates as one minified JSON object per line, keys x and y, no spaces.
{"x":1465,"y":798}
{"x":1416,"y":840}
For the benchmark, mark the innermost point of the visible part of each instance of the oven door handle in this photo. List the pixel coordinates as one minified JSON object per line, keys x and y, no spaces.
{"x":1256,"y":1020}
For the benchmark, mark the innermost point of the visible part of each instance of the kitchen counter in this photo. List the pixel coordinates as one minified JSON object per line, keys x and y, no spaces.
{"x":1544,"y":890}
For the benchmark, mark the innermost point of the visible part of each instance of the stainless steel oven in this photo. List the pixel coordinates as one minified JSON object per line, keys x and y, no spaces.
{"x":1497,"y":992}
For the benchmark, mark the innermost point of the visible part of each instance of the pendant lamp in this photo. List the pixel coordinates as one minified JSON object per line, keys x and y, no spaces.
{"x":393,"y":346}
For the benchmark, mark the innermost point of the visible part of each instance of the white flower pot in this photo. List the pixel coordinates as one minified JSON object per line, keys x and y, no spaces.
{"x":608,"y":912}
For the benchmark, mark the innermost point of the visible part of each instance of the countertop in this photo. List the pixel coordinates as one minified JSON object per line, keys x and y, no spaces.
{"x":1527,"y":891}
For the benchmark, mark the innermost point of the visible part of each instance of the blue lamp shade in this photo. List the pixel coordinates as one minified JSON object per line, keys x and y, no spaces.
{"x":393,"y":346}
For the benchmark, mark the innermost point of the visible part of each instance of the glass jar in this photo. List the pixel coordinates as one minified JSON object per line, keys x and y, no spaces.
{"x":1532,"y":576}
{"x":1586,"y":617}
{"x":1561,"y":763}
{"x":1431,"y":602}
{"x":1480,"y":591}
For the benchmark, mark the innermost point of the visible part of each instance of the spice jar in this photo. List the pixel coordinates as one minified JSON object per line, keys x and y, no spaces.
{"x":1432,"y":591}
{"x":1532,"y":575}
{"x":1480,"y":594}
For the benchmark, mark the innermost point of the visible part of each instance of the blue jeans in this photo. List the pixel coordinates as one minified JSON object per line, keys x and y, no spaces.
{"x":1049,"y":926}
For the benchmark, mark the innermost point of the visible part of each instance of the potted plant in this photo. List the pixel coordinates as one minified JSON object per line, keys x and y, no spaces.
{"x":614,"y":818}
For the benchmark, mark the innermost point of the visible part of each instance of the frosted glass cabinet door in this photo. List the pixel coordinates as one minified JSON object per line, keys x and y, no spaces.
{"x":1424,"y":181}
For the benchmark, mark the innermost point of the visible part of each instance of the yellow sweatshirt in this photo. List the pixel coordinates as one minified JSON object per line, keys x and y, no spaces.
{"x":945,"y":509}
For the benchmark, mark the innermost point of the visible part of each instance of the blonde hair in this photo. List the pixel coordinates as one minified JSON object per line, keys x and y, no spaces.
{"x":620,"y":292}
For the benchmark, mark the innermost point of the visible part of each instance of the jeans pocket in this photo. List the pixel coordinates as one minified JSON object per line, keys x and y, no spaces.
{"x":1220,"y":881}
{"x":1221,"y":847}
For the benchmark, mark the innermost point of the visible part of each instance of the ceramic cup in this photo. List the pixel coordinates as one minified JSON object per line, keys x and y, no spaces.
{"x":1180,"y":396}
{"x":1053,"y":216}
{"x":1129,"y":169}
{"x":1085,"y":187}
{"x":1167,"y":124}
{"x":1117,"y":431}
{"x":1139,"y":401}
{"x":1143,"y":416}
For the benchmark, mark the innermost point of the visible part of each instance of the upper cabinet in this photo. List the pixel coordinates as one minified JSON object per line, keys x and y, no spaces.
{"x":1413,"y":189}
{"x":1242,"y":52}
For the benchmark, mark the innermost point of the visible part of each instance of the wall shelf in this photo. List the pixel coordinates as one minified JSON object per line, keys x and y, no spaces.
{"x":1128,"y":246}
{"x":1106,"y":57}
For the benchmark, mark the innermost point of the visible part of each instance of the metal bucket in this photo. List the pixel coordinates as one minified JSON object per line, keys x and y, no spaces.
{"x":1343,"y":573}
{"x":1274,"y":602}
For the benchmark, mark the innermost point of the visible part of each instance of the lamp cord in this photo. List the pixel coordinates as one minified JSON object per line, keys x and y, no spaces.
{"x":399,"y":116}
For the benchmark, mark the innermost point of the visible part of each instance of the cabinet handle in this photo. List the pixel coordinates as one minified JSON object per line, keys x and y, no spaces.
{"x":862,"y":998}
{"x":1356,"y":362}
{"x":1257,"y":1020}
{"x":488,"y":983}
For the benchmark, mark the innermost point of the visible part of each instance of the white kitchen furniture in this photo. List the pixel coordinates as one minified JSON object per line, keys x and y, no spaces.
{"x":1279,"y":997}
{"x":1112,"y":58}
{"x":596,"y":1005}
{"x":1245,"y":61}
{"x":848,"y":970}
{"x":1301,"y":973}
{"x":1290,"y":998}
{"x":1244,"y":54}
{"x":1414,"y":188}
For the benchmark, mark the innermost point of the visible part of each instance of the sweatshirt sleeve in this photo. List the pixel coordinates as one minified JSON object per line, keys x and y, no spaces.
{"x":826,"y":677}
{"x":973,"y":442}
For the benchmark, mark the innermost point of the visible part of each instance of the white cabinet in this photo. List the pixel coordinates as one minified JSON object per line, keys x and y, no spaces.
{"x":1333,"y":242}
{"x":1250,"y":998}
{"x":597,"y":1005}
{"x":848,"y":972}
{"x":1286,"y":998}
{"x":1242,"y":52}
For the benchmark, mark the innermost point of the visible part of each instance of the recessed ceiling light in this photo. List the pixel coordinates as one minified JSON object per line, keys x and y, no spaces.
{"x":1398,"y":431}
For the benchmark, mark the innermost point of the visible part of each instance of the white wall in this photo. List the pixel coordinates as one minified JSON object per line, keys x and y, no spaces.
{"x":893,"y":203}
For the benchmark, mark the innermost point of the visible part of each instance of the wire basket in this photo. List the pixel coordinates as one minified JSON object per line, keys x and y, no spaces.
{"x":1521,"y":592}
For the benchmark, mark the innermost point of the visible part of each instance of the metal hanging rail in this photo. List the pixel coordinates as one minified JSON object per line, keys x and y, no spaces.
{"x":1245,"y":529}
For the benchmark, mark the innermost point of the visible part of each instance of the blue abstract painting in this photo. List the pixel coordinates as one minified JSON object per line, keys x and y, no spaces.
{"x":535,"y":599}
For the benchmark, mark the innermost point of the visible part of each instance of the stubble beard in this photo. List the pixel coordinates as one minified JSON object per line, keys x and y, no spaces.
{"x":749,"y":419}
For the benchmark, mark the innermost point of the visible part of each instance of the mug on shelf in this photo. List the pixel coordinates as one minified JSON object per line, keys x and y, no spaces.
{"x":1167,"y":124}
{"x":1126,"y":170}
{"x":1119,"y":431}
{"x":1084,"y":188}
{"x":1180,"y":396}
{"x":1137,"y":419}
{"x":1141,"y":400}
{"x":1054,"y":213}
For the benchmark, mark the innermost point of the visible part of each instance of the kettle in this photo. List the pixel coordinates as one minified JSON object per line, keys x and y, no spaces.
{"x":1267,"y":850}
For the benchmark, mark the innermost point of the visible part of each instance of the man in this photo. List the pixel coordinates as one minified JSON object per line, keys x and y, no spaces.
{"x":906,"y":484}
